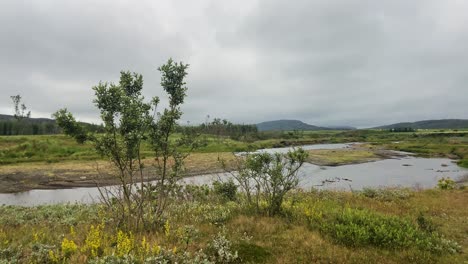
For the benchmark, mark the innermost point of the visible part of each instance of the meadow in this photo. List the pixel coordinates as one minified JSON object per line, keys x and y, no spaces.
{"x":373,"y":226}
{"x":427,"y":143}
{"x":214,"y":224}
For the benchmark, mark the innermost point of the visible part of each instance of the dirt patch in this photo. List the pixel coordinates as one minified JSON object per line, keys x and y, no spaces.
{"x":24,"y":177}
{"x":355,"y":154}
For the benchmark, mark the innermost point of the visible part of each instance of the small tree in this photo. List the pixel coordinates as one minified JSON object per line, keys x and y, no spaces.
{"x":20,"y":112}
{"x":128,"y":121}
{"x":268,"y":177}
{"x":20,"y":108}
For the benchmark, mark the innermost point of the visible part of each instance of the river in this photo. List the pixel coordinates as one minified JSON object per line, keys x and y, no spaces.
{"x":405,"y":171}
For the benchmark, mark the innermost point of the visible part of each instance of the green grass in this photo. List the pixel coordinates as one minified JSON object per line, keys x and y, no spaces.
{"x":48,"y":148}
{"x":430,"y":143}
{"x":55,"y":148}
{"x":315,"y":227}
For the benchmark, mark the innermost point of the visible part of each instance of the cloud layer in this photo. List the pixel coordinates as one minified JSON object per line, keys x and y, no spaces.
{"x":355,"y":62}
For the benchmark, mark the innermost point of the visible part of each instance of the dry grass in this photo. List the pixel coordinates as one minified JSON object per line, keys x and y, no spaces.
{"x":281,"y":239}
{"x":327,"y":157}
{"x":81,"y":173}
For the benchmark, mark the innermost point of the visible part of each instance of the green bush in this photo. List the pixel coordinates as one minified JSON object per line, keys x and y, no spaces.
{"x":227,"y":190}
{"x":358,"y":228}
{"x":445,"y":183}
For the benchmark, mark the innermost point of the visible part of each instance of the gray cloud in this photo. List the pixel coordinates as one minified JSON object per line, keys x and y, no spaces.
{"x":356,"y":62}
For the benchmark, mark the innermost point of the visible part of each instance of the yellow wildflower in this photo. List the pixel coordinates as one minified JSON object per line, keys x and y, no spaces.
{"x":68,"y":247}
{"x":53,"y":257}
{"x":72,"y":231}
{"x":93,"y":240}
{"x":156,"y":250}
{"x":124,"y":243}
{"x":145,"y":246}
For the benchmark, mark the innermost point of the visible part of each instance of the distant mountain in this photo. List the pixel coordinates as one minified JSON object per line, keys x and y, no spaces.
{"x":430,"y":124}
{"x":288,"y":125}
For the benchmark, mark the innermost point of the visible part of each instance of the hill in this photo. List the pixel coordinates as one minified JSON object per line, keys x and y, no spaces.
{"x":288,"y":125}
{"x":279,"y":125}
{"x":430,"y":124}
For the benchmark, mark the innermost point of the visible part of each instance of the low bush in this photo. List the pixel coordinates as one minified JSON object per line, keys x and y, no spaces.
{"x":355,"y":228}
{"x":386,"y":194}
{"x":446,"y":183}
{"x":227,"y":190}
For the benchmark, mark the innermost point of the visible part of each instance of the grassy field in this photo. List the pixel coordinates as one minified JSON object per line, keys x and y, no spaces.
{"x":433,"y":143}
{"x":203,"y":226}
{"x":374,"y":226}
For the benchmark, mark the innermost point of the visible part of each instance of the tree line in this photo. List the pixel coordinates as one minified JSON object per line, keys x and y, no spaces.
{"x":11,"y":127}
{"x":223,"y":128}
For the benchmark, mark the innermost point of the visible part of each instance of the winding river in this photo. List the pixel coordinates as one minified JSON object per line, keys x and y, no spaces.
{"x":405,"y":171}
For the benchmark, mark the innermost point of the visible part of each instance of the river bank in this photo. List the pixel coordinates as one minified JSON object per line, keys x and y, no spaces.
{"x":77,"y":174}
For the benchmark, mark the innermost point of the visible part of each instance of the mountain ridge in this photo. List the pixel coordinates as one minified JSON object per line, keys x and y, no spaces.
{"x":292,"y":124}
{"x":429,"y":124}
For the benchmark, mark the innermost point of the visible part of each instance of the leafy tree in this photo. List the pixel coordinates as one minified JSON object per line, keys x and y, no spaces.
{"x":128,"y":121}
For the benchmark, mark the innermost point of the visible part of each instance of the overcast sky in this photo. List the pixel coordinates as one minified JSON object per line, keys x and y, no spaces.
{"x":350,"y":62}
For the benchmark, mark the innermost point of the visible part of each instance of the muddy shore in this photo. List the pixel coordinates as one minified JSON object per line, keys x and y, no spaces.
{"x":24,"y":177}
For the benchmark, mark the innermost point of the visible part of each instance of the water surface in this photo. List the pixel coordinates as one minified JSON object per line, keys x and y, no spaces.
{"x":398,"y":172}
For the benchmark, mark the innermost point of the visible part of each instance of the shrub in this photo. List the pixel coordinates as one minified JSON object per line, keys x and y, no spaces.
{"x":445,"y":183}
{"x":187,"y":234}
{"x":221,"y":249}
{"x":356,"y":228}
{"x":386,"y":194}
{"x":267,"y":178}
{"x":196,"y":193}
{"x":227,"y":190}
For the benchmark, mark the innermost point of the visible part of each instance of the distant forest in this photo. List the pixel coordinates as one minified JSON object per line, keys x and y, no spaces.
{"x":224,"y":128}
{"x":9,"y":125}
